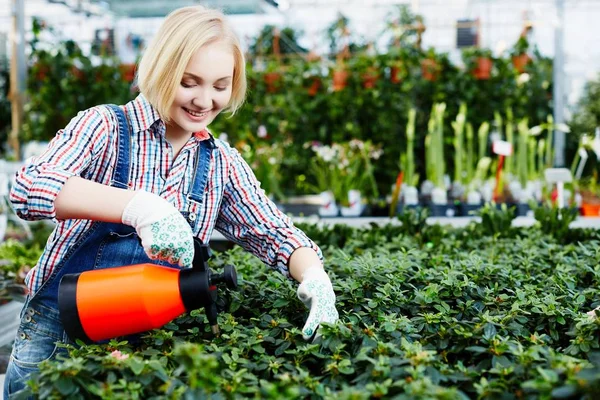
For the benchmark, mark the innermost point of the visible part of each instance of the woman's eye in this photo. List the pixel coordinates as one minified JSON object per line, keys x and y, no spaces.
{"x":186,"y":85}
{"x":220,"y":89}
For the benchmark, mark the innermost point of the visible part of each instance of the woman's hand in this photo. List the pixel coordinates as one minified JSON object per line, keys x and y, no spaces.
{"x":165,"y":234}
{"x":316,"y":292}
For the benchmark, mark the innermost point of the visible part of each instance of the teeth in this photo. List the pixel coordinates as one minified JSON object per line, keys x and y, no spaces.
{"x":196,"y":114}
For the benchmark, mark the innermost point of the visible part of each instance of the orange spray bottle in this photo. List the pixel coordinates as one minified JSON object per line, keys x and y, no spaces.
{"x":107,"y":303}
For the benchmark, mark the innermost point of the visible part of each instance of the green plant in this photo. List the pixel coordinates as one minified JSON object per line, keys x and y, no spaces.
{"x":555,"y":221}
{"x":434,"y":143}
{"x":55,"y":81}
{"x":497,"y":220}
{"x":342,"y":167}
{"x":426,"y":312}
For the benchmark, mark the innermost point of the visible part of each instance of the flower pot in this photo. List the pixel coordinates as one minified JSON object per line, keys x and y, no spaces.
{"x":370,"y":78}
{"x":429,"y":69}
{"x":590,"y":209}
{"x":314,"y":87}
{"x":340,"y":80}
{"x":356,"y":207}
{"x":483,"y":69}
{"x":127,"y":72}
{"x":272,"y":81}
{"x":410,"y":196}
{"x":396,"y":74}
{"x":328,"y":207}
{"x":520,"y":62}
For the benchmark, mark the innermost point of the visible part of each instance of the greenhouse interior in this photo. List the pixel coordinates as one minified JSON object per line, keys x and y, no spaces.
{"x":312,"y":199}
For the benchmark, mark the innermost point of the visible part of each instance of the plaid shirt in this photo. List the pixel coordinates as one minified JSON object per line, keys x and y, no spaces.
{"x":233,"y":202}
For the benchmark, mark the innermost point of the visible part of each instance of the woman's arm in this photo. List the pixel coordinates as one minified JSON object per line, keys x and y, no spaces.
{"x":70,"y":153}
{"x":302,"y":259}
{"x":83,"y":199}
{"x":249,"y":218}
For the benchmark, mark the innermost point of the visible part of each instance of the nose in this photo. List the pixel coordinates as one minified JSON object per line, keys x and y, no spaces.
{"x":202,"y":100}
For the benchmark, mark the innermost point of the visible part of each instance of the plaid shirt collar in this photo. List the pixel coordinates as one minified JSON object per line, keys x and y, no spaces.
{"x":146,"y":116}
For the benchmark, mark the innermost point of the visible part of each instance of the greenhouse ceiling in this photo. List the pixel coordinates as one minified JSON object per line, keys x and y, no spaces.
{"x":160,"y":8}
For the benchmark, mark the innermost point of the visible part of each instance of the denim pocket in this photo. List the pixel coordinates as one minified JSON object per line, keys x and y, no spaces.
{"x":38,"y":333}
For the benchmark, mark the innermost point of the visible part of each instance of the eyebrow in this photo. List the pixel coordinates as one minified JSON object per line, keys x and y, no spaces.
{"x":198,"y":79}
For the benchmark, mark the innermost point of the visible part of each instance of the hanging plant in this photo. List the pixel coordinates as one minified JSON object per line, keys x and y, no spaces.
{"x":397,"y":71}
{"x":520,"y":58}
{"x":483,"y":70}
{"x":315,"y":85}
{"x":370,"y":77}
{"x":340,"y":78}
{"x":430,"y":69}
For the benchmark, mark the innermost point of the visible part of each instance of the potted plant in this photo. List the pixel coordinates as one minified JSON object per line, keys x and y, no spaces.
{"x":272,"y":76}
{"x":436,"y":164}
{"x":519,"y":55}
{"x":340,"y":76}
{"x":406,"y":183}
{"x":344,"y":176}
{"x":430,"y":66}
{"x":478,"y":62}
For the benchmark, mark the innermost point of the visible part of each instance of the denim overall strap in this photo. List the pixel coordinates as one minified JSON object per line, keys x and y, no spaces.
{"x":120,"y":177}
{"x":201,"y":169}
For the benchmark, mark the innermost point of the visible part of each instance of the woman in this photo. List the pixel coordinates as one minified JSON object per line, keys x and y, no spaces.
{"x":135,"y":183}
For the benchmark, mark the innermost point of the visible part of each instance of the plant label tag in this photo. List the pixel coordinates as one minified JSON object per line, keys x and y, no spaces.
{"x":502,"y":148}
{"x":555,"y":175}
{"x":596,"y":146}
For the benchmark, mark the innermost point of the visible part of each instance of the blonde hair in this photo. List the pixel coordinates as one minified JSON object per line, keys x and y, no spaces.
{"x":182,"y":33}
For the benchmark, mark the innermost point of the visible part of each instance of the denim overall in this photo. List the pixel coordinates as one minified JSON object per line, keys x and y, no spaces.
{"x":103,"y":245}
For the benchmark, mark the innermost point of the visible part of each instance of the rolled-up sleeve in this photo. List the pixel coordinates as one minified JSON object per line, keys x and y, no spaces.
{"x":249,"y":218}
{"x":70,"y":152}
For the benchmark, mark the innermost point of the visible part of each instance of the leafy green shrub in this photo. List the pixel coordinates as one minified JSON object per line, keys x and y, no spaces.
{"x":467,"y":316}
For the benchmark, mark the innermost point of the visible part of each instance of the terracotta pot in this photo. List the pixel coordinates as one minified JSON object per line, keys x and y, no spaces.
{"x":314,"y":87}
{"x":520,"y":62}
{"x":483,"y":69}
{"x":128,"y":72}
{"x":396,"y":74}
{"x":272,"y":81}
{"x":429,"y":69}
{"x":340,"y":80}
{"x":370,"y":78}
{"x":590,"y":210}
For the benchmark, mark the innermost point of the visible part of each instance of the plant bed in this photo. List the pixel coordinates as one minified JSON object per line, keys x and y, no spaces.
{"x":484,"y":311}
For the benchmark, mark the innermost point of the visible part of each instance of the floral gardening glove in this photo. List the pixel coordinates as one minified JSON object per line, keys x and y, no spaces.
{"x":317,"y":294}
{"x":165,"y":234}
{"x":592,"y":314}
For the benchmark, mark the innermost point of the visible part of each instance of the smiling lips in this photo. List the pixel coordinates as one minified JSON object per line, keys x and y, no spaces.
{"x":196,"y":114}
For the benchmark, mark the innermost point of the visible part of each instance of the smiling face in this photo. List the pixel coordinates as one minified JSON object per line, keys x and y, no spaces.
{"x":204,"y":91}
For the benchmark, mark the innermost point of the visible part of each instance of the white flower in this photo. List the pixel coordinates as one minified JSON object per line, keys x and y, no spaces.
{"x":356,"y":144}
{"x":376,"y":154}
{"x":262,"y":131}
{"x":523,"y":78}
{"x":272,"y":160}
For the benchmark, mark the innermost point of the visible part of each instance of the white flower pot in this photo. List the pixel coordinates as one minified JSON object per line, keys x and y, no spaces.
{"x":410,"y":196}
{"x":439,"y":196}
{"x":356,"y":207}
{"x":474,"y":198}
{"x":328,"y":206}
